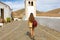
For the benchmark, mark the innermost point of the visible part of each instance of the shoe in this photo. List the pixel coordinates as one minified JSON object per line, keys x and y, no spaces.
{"x":27,"y":33}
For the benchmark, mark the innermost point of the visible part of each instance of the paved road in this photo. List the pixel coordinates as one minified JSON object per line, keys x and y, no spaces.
{"x":16,"y":30}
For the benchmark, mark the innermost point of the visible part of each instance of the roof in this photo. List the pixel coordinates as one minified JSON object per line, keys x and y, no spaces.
{"x":5,"y":4}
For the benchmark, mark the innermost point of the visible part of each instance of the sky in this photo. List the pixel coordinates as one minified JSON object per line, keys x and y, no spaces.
{"x":41,"y":5}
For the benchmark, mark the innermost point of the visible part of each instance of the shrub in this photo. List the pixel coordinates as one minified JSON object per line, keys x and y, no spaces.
{"x":8,"y":19}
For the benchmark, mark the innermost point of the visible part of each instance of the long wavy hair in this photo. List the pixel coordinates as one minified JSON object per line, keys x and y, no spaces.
{"x":31,"y":17}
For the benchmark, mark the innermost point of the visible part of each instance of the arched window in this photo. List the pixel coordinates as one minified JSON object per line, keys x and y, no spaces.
{"x":32,"y":3}
{"x":29,"y":2}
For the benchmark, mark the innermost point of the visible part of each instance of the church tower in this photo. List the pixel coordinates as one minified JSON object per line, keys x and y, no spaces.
{"x":30,"y":7}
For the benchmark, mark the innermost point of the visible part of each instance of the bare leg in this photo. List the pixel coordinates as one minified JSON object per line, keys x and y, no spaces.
{"x":32,"y":32}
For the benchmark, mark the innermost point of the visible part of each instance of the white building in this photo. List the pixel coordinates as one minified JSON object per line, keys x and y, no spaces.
{"x":5,"y":11}
{"x":30,"y":7}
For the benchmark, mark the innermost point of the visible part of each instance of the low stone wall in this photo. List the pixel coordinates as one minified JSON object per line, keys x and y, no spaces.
{"x":53,"y":23}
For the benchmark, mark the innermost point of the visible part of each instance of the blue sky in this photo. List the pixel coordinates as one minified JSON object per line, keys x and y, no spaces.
{"x":42,"y":5}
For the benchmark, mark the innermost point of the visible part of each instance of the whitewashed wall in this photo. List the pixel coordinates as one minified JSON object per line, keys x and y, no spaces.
{"x":7,"y":11}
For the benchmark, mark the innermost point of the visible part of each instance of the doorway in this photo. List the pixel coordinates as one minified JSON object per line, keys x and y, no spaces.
{"x":2,"y":15}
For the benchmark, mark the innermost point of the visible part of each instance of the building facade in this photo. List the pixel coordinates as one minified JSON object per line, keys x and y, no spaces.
{"x":5,"y":11}
{"x":30,"y":7}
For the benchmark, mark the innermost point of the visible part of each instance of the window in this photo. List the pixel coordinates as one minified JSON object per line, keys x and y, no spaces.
{"x":32,"y":3}
{"x":29,"y":2}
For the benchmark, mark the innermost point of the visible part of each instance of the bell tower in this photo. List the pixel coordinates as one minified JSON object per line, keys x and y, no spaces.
{"x":30,"y":7}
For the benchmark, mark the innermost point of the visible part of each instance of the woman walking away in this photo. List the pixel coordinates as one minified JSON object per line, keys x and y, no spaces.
{"x":32,"y":24}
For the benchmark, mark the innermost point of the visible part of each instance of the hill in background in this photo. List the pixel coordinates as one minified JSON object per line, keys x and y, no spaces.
{"x":51,"y":13}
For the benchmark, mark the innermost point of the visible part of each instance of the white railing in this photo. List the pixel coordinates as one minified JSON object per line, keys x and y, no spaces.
{"x":48,"y":17}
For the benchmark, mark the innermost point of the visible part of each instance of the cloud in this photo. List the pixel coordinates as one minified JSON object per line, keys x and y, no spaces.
{"x":18,"y":5}
{"x":48,"y":1}
{"x":42,"y":5}
{"x":15,"y":5}
{"x":9,"y":3}
{"x":46,"y":5}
